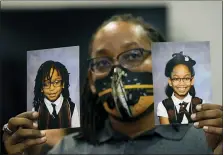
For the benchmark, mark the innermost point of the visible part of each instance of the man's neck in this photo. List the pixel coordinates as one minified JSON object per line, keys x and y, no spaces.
{"x":133,"y":129}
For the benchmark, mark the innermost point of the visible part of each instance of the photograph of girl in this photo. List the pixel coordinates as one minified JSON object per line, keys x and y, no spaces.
{"x":181,"y":97}
{"x":181,"y":101}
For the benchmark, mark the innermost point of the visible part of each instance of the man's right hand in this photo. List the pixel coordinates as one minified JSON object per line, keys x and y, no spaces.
{"x":25,"y":133}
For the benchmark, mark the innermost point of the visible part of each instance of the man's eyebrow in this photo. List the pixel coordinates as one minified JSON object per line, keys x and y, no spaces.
{"x":102,"y":51}
{"x":129,"y":44}
{"x":188,"y":74}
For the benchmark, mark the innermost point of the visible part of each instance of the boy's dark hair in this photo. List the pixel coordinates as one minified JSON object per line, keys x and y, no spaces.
{"x":44,"y":72}
{"x":92,"y":111}
{"x":179,"y":58}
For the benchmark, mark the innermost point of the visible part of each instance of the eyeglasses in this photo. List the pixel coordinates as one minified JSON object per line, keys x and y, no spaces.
{"x":185,"y":80}
{"x":128,"y":59}
{"x":47,"y":84}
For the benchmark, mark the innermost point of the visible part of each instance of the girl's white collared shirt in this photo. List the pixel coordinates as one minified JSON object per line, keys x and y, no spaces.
{"x":161,"y":110}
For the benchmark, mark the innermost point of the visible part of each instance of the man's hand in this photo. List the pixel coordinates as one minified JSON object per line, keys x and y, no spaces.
{"x":209,"y":117}
{"x":25,"y":133}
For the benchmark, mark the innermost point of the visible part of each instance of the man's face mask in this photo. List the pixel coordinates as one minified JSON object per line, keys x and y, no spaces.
{"x":122,"y":89}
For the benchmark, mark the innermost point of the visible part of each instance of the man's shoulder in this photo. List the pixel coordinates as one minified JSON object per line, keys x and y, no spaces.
{"x":196,"y":138}
{"x":185,"y":138}
{"x":179,"y":131}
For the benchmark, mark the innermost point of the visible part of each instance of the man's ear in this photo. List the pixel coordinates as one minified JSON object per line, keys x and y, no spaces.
{"x":192,"y":81}
{"x":91,"y":79}
{"x":42,"y":91}
{"x":170,"y":82}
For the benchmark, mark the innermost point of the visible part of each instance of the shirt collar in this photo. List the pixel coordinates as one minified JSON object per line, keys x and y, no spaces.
{"x":57,"y":102}
{"x":177,"y":101}
{"x":171,"y":132}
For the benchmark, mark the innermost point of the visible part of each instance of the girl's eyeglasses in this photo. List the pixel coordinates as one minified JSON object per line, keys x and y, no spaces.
{"x":185,"y":80}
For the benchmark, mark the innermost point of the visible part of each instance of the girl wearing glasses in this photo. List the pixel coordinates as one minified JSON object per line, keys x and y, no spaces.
{"x":52,"y":99}
{"x":181,"y":101}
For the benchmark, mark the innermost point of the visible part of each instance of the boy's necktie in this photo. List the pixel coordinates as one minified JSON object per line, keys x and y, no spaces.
{"x":54,"y":110}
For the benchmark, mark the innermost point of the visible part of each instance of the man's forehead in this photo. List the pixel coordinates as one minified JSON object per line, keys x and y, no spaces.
{"x":125,"y":26}
{"x":110,"y":26}
{"x":138,"y":30}
{"x":121,"y":32}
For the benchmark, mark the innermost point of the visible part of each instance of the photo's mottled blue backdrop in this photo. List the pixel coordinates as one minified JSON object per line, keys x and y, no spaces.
{"x":198,"y":51}
{"x":68,"y":56}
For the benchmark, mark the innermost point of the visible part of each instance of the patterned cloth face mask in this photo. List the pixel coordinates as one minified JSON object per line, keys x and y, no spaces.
{"x":122,"y":89}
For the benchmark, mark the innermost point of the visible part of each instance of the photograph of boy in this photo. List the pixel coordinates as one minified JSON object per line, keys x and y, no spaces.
{"x":180,"y":99}
{"x":53,"y":87}
{"x":51,"y":96}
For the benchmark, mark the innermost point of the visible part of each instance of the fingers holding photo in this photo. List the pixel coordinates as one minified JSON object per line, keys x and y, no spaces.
{"x":24,"y":120}
{"x":209,"y":117}
{"x":32,"y":115}
{"x":215,"y":130}
{"x":24,"y":138}
{"x":22,"y":134}
{"x":208,"y":106}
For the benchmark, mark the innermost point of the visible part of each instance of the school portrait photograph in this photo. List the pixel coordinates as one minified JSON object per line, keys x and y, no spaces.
{"x":182,"y":80}
{"x":53,"y":86}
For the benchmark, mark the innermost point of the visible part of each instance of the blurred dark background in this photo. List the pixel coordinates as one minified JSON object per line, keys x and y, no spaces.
{"x":26,"y":30}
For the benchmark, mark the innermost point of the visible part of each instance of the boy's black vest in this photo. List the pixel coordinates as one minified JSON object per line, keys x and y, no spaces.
{"x":174,"y":116}
{"x":61,"y":120}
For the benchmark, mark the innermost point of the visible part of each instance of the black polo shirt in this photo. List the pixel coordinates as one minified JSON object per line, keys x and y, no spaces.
{"x":163,"y":139}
